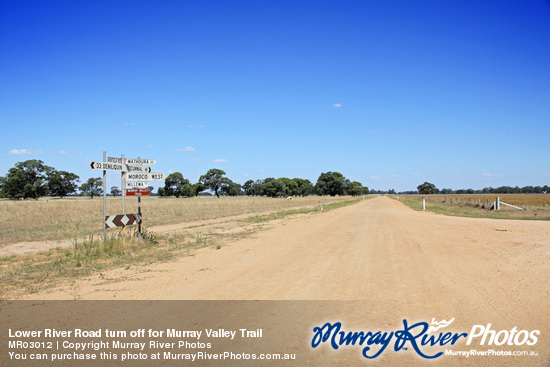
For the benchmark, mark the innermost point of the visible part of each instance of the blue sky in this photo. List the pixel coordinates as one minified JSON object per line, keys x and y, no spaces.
{"x":389,"y":93}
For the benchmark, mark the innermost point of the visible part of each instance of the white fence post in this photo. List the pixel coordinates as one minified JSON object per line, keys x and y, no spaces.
{"x":423,"y":203}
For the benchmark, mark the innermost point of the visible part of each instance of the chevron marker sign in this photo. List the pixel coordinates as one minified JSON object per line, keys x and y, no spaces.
{"x":121,"y":220}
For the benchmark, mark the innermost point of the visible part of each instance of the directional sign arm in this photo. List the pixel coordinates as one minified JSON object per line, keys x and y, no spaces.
{"x":107,"y":166}
{"x":153,"y":176}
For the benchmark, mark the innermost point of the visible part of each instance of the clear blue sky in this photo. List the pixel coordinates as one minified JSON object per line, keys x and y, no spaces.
{"x":389,"y":93}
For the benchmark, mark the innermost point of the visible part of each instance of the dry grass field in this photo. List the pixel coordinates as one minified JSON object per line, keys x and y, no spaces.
{"x":535,"y":206}
{"x":57,"y":219}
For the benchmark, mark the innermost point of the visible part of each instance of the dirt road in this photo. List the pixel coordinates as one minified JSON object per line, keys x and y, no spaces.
{"x":398,"y":262}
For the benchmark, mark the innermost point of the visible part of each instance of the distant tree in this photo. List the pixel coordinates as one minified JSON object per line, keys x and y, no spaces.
{"x":391,"y":192}
{"x":115,"y":191}
{"x":272,"y":187}
{"x":62,"y":183}
{"x":214,"y":180}
{"x":176,"y":185}
{"x":253,"y":188}
{"x":247,"y":187}
{"x":198,"y":188}
{"x":289,"y":188}
{"x":256,"y":188}
{"x":231,"y":188}
{"x":26,"y":180}
{"x":151,"y":188}
{"x":354,"y":188}
{"x":330,"y":183}
{"x":162,"y":192}
{"x":92,"y":187}
{"x":305,"y":187}
{"x":427,"y":189}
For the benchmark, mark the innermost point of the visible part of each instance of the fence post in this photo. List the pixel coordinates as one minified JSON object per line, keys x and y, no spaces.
{"x":423,"y":203}
{"x":497,"y":204}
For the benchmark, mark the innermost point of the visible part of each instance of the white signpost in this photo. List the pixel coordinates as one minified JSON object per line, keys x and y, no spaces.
{"x":153,"y":176}
{"x":136,"y":184}
{"x":140,"y":161}
{"x":133,"y":170}
{"x":107,"y":166}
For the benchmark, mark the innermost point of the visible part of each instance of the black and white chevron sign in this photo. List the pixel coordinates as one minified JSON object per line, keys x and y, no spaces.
{"x":121,"y":220}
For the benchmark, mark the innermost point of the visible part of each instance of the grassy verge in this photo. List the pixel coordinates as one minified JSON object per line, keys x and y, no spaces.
{"x":58,"y":219}
{"x":463,"y":210}
{"x":32,"y":273}
{"x":28,"y":274}
{"x":284,"y":213}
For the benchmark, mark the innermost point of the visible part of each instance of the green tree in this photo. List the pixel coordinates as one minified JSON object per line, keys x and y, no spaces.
{"x":198,"y":188}
{"x":305,"y":187}
{"x":92,"y":187}
{"x":290,"y":187}
{"x":62,"y":183}
{"x":26,"y":180}
{"x":427,"y":188}
{"x":248,"y":187}
{"x":330,"y":183}
{"x":115,"y":191}
{"x":231,"y":188}
{"x":356,"y":188}
{"x":214,"y":180}
{"x":256,"y":188}
{"x":176,"y":185}
{"x":272,"y":187}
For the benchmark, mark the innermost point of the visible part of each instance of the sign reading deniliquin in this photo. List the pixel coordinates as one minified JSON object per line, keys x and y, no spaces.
{"x":107,"y":166}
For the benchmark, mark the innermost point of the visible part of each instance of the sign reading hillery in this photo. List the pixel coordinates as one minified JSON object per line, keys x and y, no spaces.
{"x":134,"y":176}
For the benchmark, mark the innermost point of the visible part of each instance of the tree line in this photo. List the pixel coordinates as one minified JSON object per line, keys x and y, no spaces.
{"x":33,"y":179}
{"x":428,"y":188}
{"x":328,"y":183}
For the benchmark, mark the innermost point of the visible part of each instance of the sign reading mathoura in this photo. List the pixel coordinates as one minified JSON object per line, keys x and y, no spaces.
{"x":137,"y":161}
